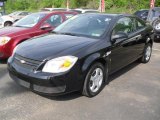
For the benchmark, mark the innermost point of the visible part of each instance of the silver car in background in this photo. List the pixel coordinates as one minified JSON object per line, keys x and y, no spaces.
{"x":8,"y":20}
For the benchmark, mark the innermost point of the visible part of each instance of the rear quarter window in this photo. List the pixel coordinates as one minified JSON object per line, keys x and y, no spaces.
{"x":139,"y":24}
{"x":68,"y":16}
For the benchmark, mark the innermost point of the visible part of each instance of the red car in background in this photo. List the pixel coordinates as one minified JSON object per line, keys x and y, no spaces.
{"x":30,"y":26}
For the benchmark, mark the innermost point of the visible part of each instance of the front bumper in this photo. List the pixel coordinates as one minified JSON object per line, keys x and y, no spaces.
{"x":4,"y":53}
{"x":43,"y":89}
{"x":157,"y":35}
{"x":44,"y":83}
{"x":1,"y":25}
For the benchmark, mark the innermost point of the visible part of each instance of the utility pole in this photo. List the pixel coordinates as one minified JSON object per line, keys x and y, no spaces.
{"x":152,"y":3}
{"x":4,"y":8}
{"x":2,"y":2}
{"x":67,"y":4}
{"x":102,"y":5}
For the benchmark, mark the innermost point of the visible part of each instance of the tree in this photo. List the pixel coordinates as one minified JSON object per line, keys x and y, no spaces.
{"x":113,"y":5}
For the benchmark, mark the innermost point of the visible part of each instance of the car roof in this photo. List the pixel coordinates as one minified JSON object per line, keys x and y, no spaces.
{"x":143,"y":9}
{"x":49,"y":12}
{"x":81,"y":9}
{"x":110,"y":14}
{"x":156,"y":8}
{"x":53,"y":9}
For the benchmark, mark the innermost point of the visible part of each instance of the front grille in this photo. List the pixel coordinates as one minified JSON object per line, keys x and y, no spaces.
{"x":26,"y":62}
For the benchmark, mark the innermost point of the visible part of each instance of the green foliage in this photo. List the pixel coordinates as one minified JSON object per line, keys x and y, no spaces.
{"x":111,"y":5}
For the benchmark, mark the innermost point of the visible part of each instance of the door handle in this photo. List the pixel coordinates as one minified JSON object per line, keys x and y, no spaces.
{"x":138,"y":37}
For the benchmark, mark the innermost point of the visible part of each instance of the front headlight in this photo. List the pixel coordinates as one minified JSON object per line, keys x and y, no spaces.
{"x":157,"y":27}
{"x":4,"y":40}
{"x":60,"y":64}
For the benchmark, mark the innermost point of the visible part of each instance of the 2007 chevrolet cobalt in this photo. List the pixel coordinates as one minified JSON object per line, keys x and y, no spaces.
{"x":81,"y":53}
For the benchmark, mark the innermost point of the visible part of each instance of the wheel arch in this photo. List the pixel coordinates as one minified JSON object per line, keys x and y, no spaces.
{"x":17,"y":43}
{"x":149,"y":39}
{"x":7,"y":22}
{"x":94,"y":58}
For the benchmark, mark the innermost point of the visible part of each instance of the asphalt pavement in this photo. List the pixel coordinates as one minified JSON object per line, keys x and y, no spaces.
{"x":132,"y":94}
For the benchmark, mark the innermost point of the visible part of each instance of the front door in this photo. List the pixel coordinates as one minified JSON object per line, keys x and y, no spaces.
{"x":122,"y":51}
{"x":54,"y":20}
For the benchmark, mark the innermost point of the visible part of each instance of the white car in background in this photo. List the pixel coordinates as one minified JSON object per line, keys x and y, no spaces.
{"x":81,"y":11}
{"x":54,"y":9}
{"x":8,"y":20}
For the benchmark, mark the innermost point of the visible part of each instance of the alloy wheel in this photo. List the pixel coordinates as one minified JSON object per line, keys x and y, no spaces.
{"x":96,"y":80}
{"x":148,"y":53}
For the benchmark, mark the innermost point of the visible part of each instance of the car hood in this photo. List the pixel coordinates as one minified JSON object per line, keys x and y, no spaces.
{"x":7,"y":31}
{"x":7,"y":18}
{"x":51,"y":46}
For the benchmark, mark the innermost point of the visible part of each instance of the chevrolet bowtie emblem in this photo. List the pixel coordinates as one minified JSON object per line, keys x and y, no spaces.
{"x":22,"y":61}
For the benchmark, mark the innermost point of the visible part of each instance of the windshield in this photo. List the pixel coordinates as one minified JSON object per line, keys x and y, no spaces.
{"x":29,"y":21}
{"x":14,"y":13}
{"x":91,"y":25}
{"x":156,"y":13}
{"x":153,"y":14}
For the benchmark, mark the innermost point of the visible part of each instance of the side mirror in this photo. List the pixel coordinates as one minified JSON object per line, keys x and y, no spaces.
{"x":46,"y":26}
{"x":144,"y":17}
{"x":119,"y":36}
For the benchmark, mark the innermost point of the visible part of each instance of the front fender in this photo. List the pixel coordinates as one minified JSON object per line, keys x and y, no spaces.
{"x":19,"y":40}
{"x":12,"y":44}
{"x":97,"y":57}
{"x":90,"y":60}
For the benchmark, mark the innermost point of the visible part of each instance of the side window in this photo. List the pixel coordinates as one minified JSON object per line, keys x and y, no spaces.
{"x":54,"y":20}
{"x":68,"y":16}
{"x":91,"y":12}
{"x":145,"y":14}
{"x":24,"y":13}
{"x":125,"y":25}
{"x":139,"y":24}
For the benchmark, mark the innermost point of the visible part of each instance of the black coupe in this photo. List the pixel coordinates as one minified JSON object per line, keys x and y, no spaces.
{"x":81,"y":53}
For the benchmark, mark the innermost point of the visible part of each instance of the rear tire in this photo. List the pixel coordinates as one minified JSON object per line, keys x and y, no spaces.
{"x":147,"y":53}
{"x":94,"y":80}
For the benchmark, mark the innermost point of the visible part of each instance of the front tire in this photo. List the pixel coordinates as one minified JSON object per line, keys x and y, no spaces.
{"x":94,"y":80}
{"x":147,"y":53}
{"x":6,"y":24}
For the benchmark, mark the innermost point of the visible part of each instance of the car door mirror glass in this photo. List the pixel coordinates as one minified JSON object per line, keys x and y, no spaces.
{"x":46,"y":26}
{"x":119,"y":36}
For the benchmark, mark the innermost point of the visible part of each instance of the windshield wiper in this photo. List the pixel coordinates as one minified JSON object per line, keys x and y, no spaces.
{"x":20,"y":26}
{"x":65,"y":33}
{"x":71,"y":34}
{"x":17,"y":26}
{"x":54,"y":32}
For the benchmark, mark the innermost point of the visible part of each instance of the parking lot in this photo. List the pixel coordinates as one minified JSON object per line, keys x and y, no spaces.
{"x":133,"y":94}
